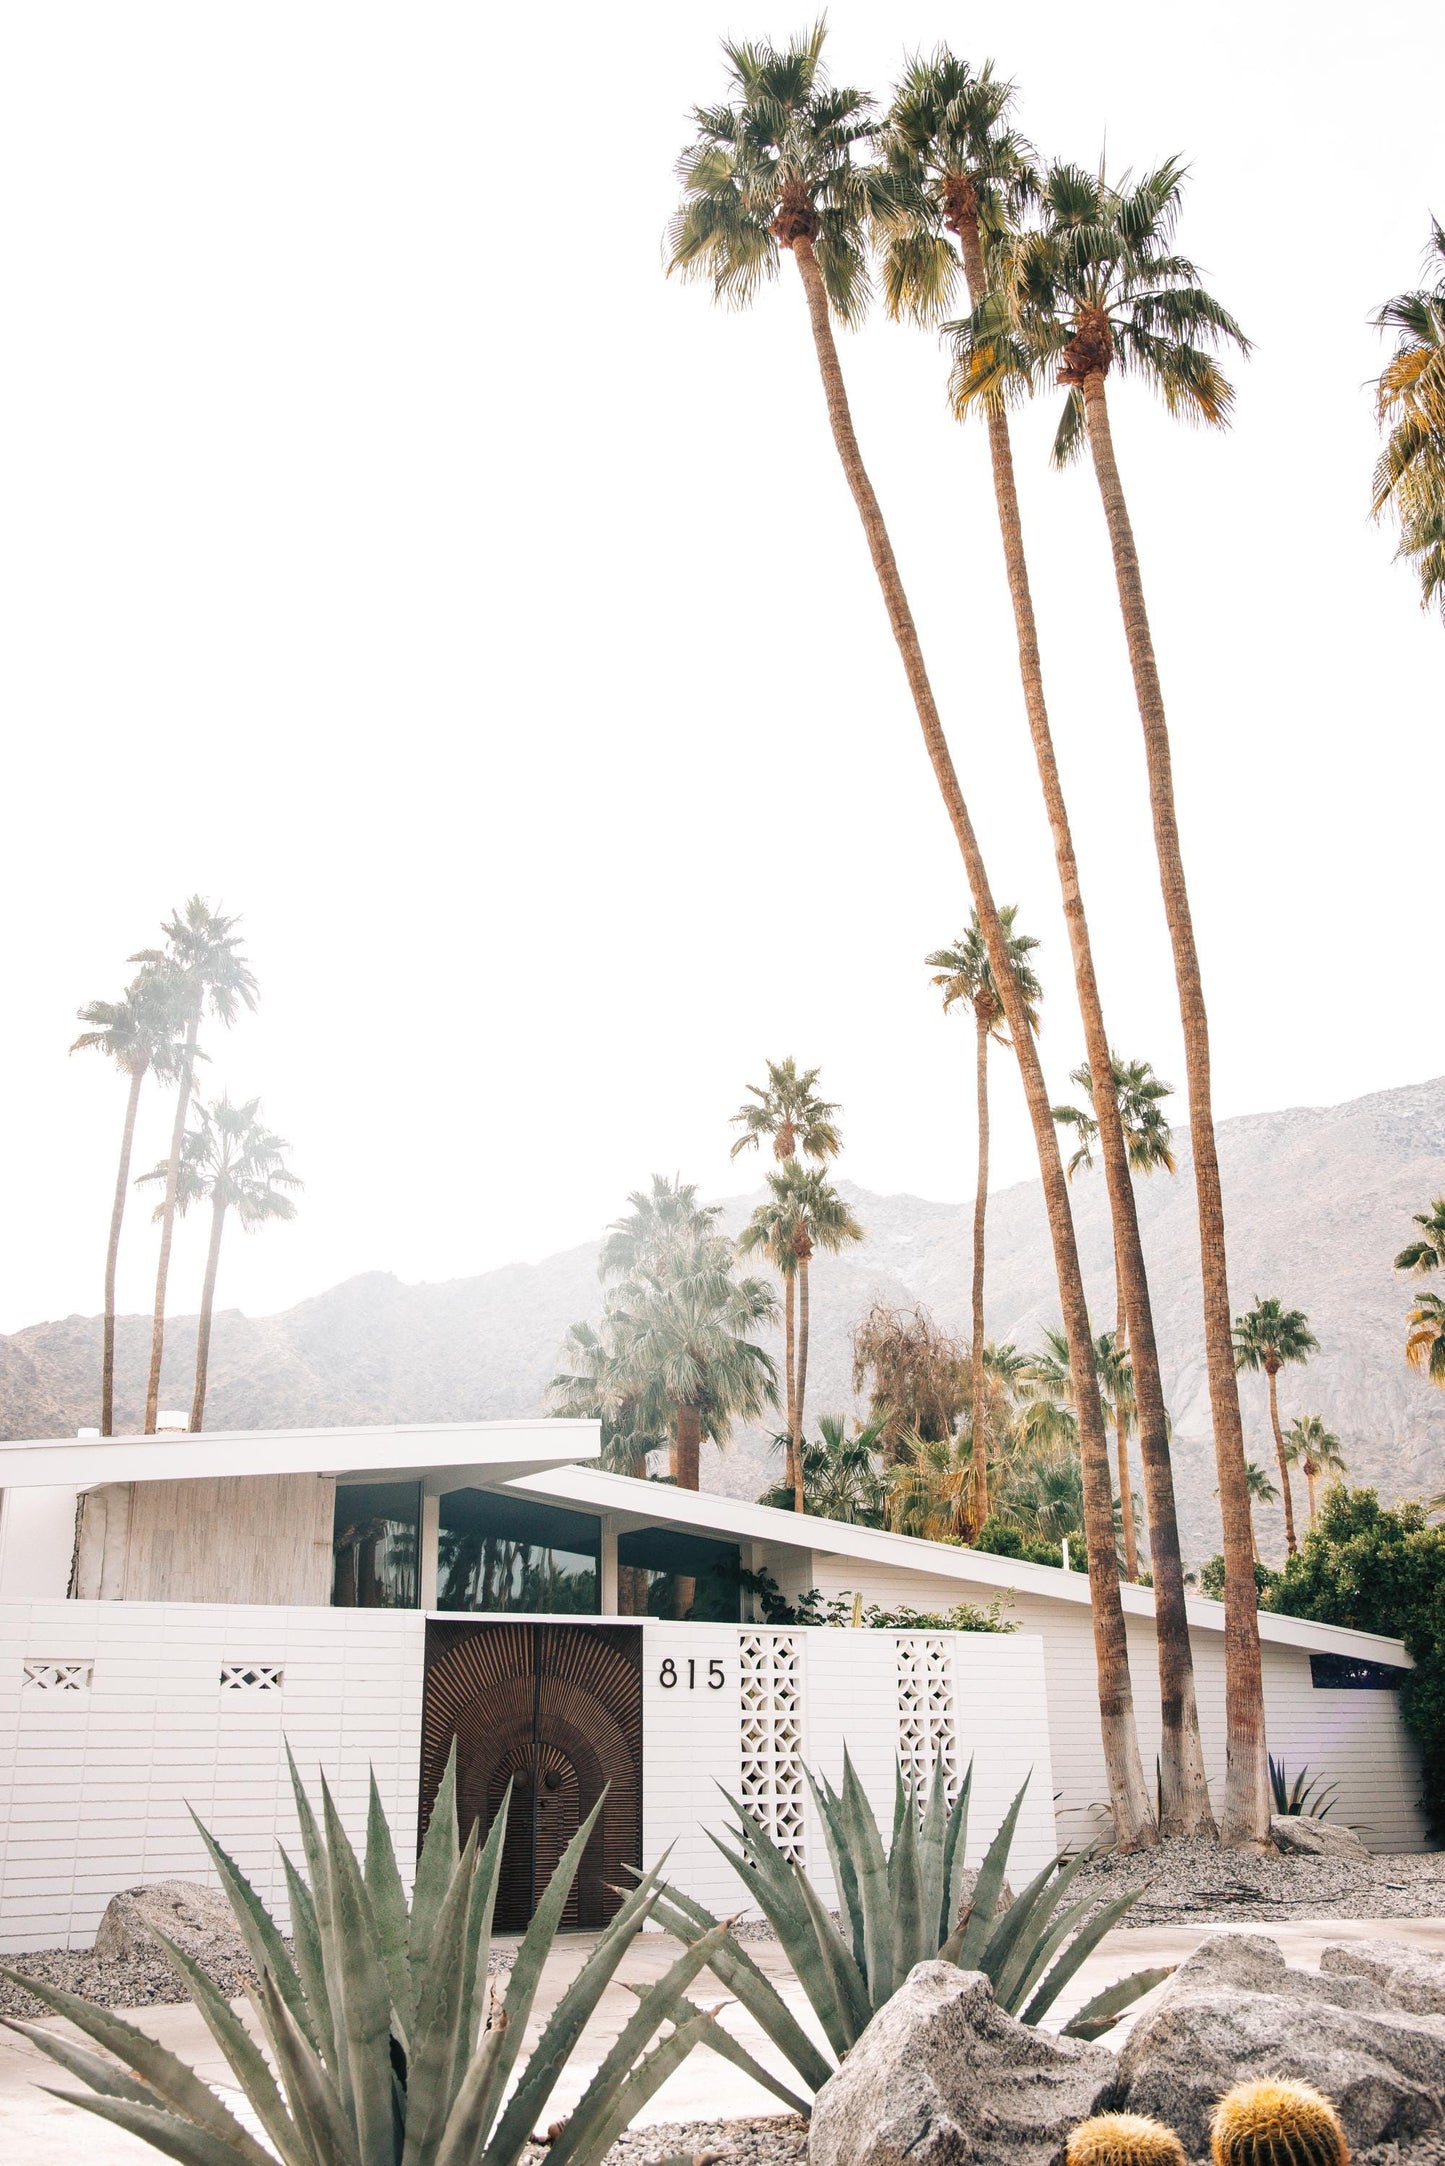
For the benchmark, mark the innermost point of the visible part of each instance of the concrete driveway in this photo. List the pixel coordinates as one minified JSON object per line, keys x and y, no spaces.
{"x":39,"y":2131}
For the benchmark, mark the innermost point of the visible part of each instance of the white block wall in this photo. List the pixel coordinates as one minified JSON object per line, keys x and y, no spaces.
{"x":692,"y":1741}
{"x":1355,"y":1739}
{"x":95,"y":1785}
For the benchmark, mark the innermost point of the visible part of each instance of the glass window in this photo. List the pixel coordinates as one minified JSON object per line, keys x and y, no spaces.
{"x":496,"y":1552}
{"x":662,"y":1574}
{"x":374,"y":1545}
{"x":1342,"y":1673}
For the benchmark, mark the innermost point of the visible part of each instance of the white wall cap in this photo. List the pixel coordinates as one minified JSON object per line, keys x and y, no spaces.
{"x":491,"y":1451}
{"x":707,"y":1513}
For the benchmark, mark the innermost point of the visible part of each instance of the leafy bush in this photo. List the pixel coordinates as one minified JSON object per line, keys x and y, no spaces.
{"x":1001,"y":1540}
{"x":909,"y":1904}
{"x":963,"y":1617}
{"x":1381,"y":1569}
{"x":1211,"y":1580}
{"x":817,"y":1608}
{"x":1305,"y":1794}
{"x":382,"y":2031}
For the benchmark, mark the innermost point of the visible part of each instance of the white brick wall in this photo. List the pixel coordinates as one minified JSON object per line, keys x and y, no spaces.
{"x":94,"y":1788}
{"x":1355,"y":1739}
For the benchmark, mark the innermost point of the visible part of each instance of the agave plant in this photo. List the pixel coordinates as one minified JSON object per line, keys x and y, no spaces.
{"x":385,"y":2046}
{"x":909,"y":1904}
{"x":1301,"y":1793}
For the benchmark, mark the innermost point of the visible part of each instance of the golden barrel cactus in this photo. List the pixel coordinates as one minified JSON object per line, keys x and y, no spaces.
{"x":1277,"y":2124}
{"x":1123,"y":2139}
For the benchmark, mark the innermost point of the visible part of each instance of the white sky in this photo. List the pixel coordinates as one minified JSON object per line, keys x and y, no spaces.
{"x":390,"y":553}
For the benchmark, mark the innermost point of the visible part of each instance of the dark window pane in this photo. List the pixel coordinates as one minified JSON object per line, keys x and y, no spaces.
{"x":1342,"y":1673}
{"x":662,"y":1574}
{"x":501,"y":1553}
{"x":374,"y":1544}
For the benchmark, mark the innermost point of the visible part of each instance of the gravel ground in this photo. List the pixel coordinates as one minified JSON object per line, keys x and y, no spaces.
{"x":140,"y":1981}
{"x":1193,"y":1880}
{"x":768,"y":2141}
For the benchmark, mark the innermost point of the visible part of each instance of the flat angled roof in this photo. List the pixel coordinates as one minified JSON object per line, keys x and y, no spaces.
{"x":491,"y":1450}
{"x":712,"y":1514}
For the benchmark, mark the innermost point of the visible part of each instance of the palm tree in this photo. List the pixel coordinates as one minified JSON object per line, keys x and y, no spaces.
{"x":774,"y":1230}
{"x":660,"y":1219}
{"x":916,"y":1377}
{"x":840,"y":1475}
{"x":791,"y":1113}
{"x":1261,"y":1491}
{"x":139,"y":1033}
{"x":589,"y":1386}
{"x":1425,"y":1344}
{"x":1100,"y":286}
{"x":1267,"y":1337}
{"x":1410,"y":474}
{"x":202,"y":956}
{"x":1428,"y":1253}
{"x":966,"y":976}
{"x":772,"y":171}
{"x":930,"y":1493}
{"x":1315,"y":1450}
{"x":230,"y":1160}
{"x":1148,"y":1144}
{"x":959,"y":174}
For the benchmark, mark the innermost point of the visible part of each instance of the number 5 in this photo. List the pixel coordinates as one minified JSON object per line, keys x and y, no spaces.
{"x":715,"y":1678}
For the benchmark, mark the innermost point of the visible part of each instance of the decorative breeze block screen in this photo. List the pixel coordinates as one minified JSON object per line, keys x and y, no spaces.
{"x":55,"y":1679}
{"x":251,"y":1677}
{"x":927,"y":1711}
{"x":771,"y":1692}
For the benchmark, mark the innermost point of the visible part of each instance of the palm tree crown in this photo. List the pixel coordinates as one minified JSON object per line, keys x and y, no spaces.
{"x":1269,"y":1335}
{"x":773,"y":166}
{"x":952,"y":161}
{"x":964,"y":973}
{"x":1428,"y":1253}
{"x":1148,"y":1136}
{"x":1410,"y":474}
{"x":140,"y":1032}
{"x":1099,"y":285}
{"x":229,"y":1158}
{"x":790,"y":1111}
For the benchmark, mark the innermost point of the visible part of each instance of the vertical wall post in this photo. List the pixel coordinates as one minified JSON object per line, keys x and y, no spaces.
{"x":607,"y":1592}
{"x":427,"y":1575}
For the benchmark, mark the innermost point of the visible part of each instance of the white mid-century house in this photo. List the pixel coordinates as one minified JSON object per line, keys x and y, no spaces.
{"x":173,"y":1609}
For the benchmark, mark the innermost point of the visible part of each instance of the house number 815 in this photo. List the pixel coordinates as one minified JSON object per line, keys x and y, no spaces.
{"x":667,"y":1676}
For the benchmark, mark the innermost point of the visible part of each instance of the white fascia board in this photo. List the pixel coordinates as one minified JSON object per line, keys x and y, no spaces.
{"x":706,"y":1513}
{"x":490,"y":1450}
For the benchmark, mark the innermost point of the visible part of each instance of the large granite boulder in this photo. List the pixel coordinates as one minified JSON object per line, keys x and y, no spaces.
{"x":197,"y":1919}
{"x":944,"y":2077}
{"x":1301,"y":1835}
{"x":1413,"y":1978}
{"x":1237,"y":2011}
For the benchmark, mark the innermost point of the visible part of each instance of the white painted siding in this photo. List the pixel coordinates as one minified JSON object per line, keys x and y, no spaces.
{"x":37,"y":1540}
{"x":1355,"y":1739}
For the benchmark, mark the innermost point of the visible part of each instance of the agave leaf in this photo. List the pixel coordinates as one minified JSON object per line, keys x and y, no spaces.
{"x":476,"y":2100}
{"x":569,"y":2018}
{"x":988,"y":1886}
{"x":1015,"y":1930}
{"x":244,"y":2057}
{"x":728,"y":2048}
{"x":434,"y":1868}
{"x":173,"y":2083}
{"x":932,"y":1878}
{"x":770,"y":1885}
{"x":845,"y":1979}
{"x":1024,"y":1967}
{"x":1104,"y":2010}
{"x":441,"y":2014}
{"x":1083,"y":1944}
{"x":388,"y":1907}
{"x":258,"y":1929}
{"x":872,"y":1870}
{"x":900,"y":1805}
{"x":477,"y":1955}
{"x":907,"y":1896}
{"x":310,"y":1962}
{"x":955,"y":1847}
{"x":311,"y":2091}
{"x":735,"y":1968}
{"x":365,"y":2002}
{"x":761,"y":1849}
{"x":104,"y":2077}
{"x":651,"y":2012}
{"x":845,"y":1880}
{"x":162,"y":2131}
{"x":799,"y":1943}
{"x":1063,"y":1923}
{"x":631,"y":2096}
{"x":314,"y":1851}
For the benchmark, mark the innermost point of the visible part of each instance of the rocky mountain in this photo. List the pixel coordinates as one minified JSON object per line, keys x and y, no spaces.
{"x":1318,"y":1202}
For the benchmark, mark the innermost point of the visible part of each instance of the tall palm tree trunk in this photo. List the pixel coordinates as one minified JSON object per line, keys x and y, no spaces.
{"x":1271,"y":1378}
{"x":978,"y":1511}
{"x":1245,"y":1820}
{"x":1133,"y":1820}
{"x":168,"y":1220}
{"x":1184,"y":1788}
{"x":1310,"y":1480}
{"x":112,"y":1253}
{"x":801,"y":1385}
{"x":793,"y":1473}
{"x":687,"y":1447}
{"x":1121,"y":1432}
{"x":208,"y":1302}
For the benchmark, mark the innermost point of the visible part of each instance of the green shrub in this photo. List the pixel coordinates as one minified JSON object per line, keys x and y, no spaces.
{"x":1211,"y":1580}
{"x":1005,"y":1541}
{"x":1378,"y":1568}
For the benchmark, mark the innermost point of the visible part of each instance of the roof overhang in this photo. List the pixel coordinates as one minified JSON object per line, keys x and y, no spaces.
{"x":703,"y":1512}
{"x":446,"y":1455}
